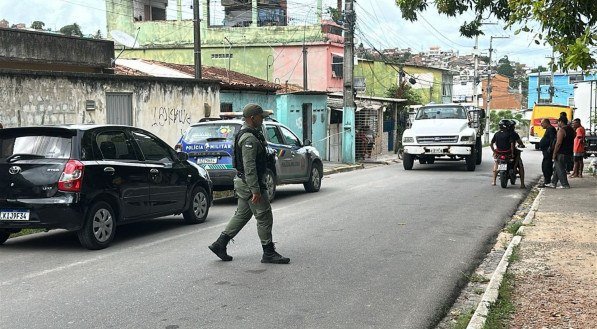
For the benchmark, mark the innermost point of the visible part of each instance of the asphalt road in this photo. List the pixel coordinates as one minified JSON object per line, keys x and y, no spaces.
{"x":375,"y":248}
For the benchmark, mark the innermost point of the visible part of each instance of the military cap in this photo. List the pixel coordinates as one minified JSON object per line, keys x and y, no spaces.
{"x":254,"y":109}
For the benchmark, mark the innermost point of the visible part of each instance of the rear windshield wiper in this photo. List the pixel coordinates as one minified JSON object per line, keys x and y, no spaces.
{"x":18,"y":156}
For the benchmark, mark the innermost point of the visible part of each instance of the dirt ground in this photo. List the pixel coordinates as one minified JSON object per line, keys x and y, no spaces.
{"x":556,"y":275}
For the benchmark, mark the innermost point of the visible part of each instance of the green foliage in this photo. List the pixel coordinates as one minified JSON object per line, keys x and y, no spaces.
{"x":98,"y":35}
{"x":404,"y":91}
{"x":503,"y":308}
{"x":335,"y":14}
{"x":71,"y":30}
{"x":496,"y":116}
{"x":38,"y":25}
{"x":505,"y":68}
{"x":569,"y":26}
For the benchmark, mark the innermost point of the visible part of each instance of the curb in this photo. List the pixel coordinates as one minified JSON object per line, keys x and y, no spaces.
{"x":342,"y":169}
{"x":491,"y":292}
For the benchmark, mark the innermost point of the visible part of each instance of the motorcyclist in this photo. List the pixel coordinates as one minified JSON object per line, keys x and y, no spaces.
{"x":501,"y":143}
{"x":517,"y":158}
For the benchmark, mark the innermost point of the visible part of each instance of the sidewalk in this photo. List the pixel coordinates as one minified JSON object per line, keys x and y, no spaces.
{"x":330,"y":167}
{"x":555,"y":278}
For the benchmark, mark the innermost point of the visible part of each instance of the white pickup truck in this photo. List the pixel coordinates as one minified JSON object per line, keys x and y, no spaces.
{"x":444,"y":132}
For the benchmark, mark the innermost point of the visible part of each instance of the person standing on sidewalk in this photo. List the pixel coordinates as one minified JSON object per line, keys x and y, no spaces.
{"x":250,"y":161}
{"x":562,"y":151}
{"x":579,"y":149}
{"x":546,"y":145}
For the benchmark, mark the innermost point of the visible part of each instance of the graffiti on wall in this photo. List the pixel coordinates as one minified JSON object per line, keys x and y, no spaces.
{"x":164,"y":116}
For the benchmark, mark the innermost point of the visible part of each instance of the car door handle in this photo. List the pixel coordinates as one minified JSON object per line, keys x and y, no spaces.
{"x":109,"y":170}
{"x":154,"y":171}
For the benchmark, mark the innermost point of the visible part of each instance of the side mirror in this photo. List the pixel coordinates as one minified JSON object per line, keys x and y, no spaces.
{"x":182,"y":156}
{"x":307,"y":142}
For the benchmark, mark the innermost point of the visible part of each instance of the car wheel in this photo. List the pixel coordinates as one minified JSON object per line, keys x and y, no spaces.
{"x":199,"y":206}
{"x":270,"y":184}
{"x":408,"y":161}
{"x":314,"y":183}
{"x":99,"y":226}
{"x":4,"y":236}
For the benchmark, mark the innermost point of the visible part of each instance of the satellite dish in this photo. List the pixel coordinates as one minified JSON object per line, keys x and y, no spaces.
{"x":123,"y":38}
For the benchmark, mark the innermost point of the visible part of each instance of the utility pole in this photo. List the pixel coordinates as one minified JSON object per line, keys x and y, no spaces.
{"x":488,"y":98}
{"x":348,"y":117}
{"x":197,"y":39}
{"x":476,"y":71}
{"x":304,"y":67}
{"x":539,"y":85}
{"x":551,"y":88}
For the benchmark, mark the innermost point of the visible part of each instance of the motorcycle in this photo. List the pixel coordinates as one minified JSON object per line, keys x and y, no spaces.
{"x":505,"y":168}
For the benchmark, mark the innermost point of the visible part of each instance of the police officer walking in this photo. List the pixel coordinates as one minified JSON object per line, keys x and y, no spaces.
{"x":250,"y":161}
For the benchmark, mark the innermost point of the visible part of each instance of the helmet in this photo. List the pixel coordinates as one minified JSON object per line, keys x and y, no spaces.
{"x":504,"y":123}
{"x":513,"y":123}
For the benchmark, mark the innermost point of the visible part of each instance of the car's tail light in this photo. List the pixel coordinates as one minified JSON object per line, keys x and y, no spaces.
{"x":502,"y":157}
{"x":71,"y":179}
{"x":178,"y":148}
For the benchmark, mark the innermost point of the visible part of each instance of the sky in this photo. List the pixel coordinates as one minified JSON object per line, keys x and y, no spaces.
{"x":379,"y":24}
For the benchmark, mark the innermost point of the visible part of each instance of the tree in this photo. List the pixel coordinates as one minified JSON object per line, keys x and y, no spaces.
{"x":71,"y":30}
{"x":38,"y":25}
{"x":569,"y":26}
{"x":505,"y":68}
{"x":496,"y":116}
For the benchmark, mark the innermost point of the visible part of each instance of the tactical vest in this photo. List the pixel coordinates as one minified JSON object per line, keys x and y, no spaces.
{"x":260,"y":162}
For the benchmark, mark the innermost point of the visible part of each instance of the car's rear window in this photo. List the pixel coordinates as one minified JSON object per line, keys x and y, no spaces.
{"x":201,"y":133}
{"x":51,"y":147}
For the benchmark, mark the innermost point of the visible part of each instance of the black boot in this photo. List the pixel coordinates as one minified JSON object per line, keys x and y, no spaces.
{"x":219,"y":247}
{"x":271,"y":256}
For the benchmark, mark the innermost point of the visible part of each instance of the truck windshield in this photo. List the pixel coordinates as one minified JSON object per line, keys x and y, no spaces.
{"x":203,"y":132}
{"x":452,"y":112}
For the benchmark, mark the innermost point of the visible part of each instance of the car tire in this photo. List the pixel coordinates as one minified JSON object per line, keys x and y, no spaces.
{"x":408,"y":161}
{"x":198,"y":206}
{"x":99,"y":226}
{"x":4,"y":235}
{"x":314,"y":183}
{"x":270,"y":184}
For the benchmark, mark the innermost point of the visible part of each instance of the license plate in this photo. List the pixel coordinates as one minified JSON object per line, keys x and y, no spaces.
{"x":21,"y":215}
{"x":502,"y":166}
{"x":436,"y":150}
{"x":207,"y":160}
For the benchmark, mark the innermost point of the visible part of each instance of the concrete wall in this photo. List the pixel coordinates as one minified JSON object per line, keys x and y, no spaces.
{"x":241,"y":98}
{"x":166,"y":107}
{"x":289,"y":111}
{"x":50,"y":49}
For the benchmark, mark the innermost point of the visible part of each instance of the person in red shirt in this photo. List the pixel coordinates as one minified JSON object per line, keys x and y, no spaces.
{"x":579,"y":148}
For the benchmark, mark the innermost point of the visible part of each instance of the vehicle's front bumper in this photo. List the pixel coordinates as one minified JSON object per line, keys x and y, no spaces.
{"x":438,"y":150}
{"x":222,"y":179}
{"x":62,"y":212}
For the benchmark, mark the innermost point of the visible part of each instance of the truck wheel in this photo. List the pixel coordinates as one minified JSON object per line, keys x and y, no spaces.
{"x":470,"y":161}
{"x":408,"y":161}
{"x":479,"y":148}
{"x":503,"y":179}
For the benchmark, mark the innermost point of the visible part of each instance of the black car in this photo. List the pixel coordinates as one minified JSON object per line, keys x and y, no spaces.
{"x":92,"y":178}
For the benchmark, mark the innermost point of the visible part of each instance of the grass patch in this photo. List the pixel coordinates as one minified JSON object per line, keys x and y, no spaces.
{"x":26,"y":231}
{"x":477,"y":278}
{"x":463,"y":319}
{"x":513,"y":228}
{"x":515,"y":255}
{"x":501,"y":311}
